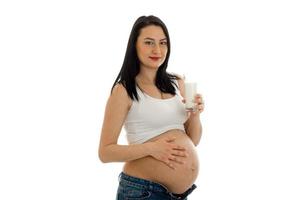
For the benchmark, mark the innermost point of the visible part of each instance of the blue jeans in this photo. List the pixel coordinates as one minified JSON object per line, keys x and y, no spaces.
{"x":132,"y":188}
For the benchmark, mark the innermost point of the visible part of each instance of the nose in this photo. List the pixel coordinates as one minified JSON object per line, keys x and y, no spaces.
{"x":156,"y":49}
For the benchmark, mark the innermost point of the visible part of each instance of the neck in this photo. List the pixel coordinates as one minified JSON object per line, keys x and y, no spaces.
{"x":147,"y":76}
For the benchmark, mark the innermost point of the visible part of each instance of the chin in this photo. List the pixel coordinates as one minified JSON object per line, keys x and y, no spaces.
{"x":153,"y":66}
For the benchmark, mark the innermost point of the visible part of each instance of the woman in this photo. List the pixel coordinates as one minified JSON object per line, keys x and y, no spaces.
{"x":161,"y":160}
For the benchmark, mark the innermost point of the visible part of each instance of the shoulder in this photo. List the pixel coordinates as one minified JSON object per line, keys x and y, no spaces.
{"x":119,"y":90}
{"x":120,"y":96}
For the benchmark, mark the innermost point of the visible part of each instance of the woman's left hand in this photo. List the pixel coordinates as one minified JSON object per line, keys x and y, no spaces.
{"x":199,"y":105}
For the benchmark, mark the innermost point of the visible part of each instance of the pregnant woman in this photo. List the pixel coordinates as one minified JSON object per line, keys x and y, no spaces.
{"x":161,"y":161}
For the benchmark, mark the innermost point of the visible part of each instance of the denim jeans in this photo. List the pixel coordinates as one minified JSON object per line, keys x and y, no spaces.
{"x":132,"y":188}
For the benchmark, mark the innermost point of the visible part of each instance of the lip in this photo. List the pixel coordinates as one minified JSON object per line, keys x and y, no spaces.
{"x":154,"y":58}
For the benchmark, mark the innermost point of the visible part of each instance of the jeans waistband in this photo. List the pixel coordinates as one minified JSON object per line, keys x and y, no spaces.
{"x":155,"y":187}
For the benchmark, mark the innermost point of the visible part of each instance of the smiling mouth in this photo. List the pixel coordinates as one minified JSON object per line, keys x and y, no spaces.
{"x":154,"y":58}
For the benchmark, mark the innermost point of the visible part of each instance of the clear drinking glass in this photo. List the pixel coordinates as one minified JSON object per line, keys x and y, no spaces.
{"x":190,"y":92}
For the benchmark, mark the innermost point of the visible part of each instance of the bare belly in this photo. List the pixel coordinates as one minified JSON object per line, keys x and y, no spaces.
{"x":177,"y":180}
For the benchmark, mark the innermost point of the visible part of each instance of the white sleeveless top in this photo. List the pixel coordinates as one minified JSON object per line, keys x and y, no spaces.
{"x":150,"y":117}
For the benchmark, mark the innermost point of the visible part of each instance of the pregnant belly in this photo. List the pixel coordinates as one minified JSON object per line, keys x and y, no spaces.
{"x":177,"y":180}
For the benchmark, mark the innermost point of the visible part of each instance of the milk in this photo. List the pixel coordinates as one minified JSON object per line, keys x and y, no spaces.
{"x":190,"y":92}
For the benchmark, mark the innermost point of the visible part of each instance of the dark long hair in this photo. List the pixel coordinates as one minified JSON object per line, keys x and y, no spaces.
{"x":131,"y":64}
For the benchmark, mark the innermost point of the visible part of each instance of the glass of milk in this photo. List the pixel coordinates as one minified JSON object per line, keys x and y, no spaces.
{"x":190,"y":92}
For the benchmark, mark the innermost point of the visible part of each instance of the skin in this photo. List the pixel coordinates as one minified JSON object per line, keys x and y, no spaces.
{"x":150,"y":43}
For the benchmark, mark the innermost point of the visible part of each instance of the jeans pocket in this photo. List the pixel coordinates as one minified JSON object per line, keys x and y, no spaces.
{"x":135,"y":193}
{"x":140,"y":195}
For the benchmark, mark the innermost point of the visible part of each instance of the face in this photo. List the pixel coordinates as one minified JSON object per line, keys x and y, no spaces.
{"x":151,"y":46}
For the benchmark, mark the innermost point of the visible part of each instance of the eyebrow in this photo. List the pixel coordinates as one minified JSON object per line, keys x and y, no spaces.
{"x":147,"y":38}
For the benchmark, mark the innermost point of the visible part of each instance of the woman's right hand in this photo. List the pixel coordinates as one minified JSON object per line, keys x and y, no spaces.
{"x":167,"y":151}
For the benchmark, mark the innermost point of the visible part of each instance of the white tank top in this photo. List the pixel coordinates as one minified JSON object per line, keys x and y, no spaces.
{"x":150,"y":117}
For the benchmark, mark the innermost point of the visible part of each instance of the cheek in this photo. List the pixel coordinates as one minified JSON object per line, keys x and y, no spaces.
{"x":140,"y":52}
{"x":165,"y":53}
{"x":165,"y":50}
{"x":143,"y":51}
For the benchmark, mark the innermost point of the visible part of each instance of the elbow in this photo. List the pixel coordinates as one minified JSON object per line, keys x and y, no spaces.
{"x":195,"y":141}
{"x":102,"y":157}
{"x":198,"y":140}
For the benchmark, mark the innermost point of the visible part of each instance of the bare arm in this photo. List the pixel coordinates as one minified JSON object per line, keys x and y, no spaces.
{"x":193,"y":128}
{"x":116,"y":111}
{"x":193,"y":125}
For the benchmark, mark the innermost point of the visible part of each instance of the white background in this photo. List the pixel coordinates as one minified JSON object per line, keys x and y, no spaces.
{"x":58,"y":62}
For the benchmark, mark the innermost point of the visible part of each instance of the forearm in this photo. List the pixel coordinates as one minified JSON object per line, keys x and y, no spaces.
{"x":124,"y":153}
{"x":194,"y":128}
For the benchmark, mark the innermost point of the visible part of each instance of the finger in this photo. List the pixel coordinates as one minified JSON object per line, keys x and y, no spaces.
{"x":177,"y":147}
{"x":201,"y":101}
{"x":170,"y":139}
{"x":177,"y":160}
{"x":169,"y":164}
{"x":198,"y":95}
{"x":198,"y":98}
{"x":200,"y":108}
{"x":180,"y":153}
{"x":198,"y":101}
{"x":172,"y":166}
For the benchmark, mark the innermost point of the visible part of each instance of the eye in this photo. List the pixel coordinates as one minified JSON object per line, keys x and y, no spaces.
{"x":163,"y":43}
{"x":149,"y":42}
